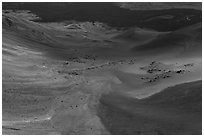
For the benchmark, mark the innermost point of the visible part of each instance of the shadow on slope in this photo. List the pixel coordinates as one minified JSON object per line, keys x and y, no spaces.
{"x":176,"y":110}
{"x":187,"y":41}
{"x":136,"y":35}
{"x":109,"y":13}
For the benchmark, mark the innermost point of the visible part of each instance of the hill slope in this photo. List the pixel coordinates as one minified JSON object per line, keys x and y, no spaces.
{"x":176,"y":110}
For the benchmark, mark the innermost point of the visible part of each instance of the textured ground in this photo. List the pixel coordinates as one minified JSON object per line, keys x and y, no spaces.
{"x":89,"y":78}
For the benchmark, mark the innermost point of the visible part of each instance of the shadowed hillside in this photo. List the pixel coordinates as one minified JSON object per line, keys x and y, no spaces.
{"x":184,"y":41}
{"x":110,"y":14}
{"x":176,"y":110}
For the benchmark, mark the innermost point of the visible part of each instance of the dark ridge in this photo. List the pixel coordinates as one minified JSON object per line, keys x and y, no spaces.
{"x":110,"y":14}
{"x":4,"y":127}
{"x":176,"y":110}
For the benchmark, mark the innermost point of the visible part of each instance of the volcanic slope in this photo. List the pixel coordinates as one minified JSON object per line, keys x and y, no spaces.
{"x":54,"y":75}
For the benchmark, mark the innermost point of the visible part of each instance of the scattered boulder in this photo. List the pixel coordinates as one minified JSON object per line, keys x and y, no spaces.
{"x":180,"y":71}
{"x":66,"y":62}
{"x":58,"y":71}
{"x":74,"y":73}
{"x":188,"y":65}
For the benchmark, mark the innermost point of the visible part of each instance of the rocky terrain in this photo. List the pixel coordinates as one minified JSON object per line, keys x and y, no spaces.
{"x":80,"y":75}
